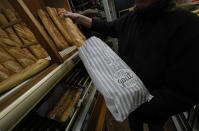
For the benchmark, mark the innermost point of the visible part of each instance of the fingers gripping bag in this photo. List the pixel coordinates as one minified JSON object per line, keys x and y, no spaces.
{"x":122,"y":90}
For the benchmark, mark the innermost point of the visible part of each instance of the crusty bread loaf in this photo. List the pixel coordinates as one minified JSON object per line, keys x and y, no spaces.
{"x":69,"y":27}
{"x":22,"y":56}
{"x":12,"y":66}
{"x":54,"y":16}
{"x":9,"y":62}
{"x":4,"y":73}
{"x":59,"y":40}
{"x":9,"y":30}
{"x":26,"y":35}
{"x":5,"y":39}
{"x":4,"y":56}
{"x":63,"y":116}
{"x":56,"y":108}
{"x":74,"y":26}
{"x":64,"y":107}
{"x":26,"y":73}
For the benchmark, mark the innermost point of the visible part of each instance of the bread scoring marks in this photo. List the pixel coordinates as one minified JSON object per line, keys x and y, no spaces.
{"x":120,"y":75}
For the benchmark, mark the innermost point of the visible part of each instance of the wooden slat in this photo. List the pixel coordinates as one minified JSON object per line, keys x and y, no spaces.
{"x":34,"y":5}
{"x":26,"y":87}
{"x":98,"y":116}
{"x":37,"y":29}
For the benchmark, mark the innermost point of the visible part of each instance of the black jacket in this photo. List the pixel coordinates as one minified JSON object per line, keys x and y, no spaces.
{"x":160,"y":44}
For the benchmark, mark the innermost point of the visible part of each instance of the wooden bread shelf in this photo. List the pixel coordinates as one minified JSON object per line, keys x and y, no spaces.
{"x":15,"y":106}
{"x":27,"y":10}
{"x":28,"y":17}
{"x":33,"y":92}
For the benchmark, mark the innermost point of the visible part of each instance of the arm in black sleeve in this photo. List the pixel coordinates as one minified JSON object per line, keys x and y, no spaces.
{"x":109,"y":28}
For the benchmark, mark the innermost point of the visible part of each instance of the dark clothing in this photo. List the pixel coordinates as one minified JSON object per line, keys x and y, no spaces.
{"x":155,"y":113}
{"x":160,"y":44}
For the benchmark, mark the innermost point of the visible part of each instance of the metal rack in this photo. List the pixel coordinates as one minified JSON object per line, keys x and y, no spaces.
{"x":187,"y":121}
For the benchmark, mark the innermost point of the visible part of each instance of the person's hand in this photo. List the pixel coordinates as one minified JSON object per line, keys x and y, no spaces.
{"x":73,"y":16}
{"x":77,"y":18}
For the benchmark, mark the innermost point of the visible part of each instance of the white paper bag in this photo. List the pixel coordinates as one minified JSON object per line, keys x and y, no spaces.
{"x":123,"y":91}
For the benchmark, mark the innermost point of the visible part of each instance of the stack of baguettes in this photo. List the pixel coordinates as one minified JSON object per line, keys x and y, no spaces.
{"x":16,"y":63}
{"x":61,"y":29}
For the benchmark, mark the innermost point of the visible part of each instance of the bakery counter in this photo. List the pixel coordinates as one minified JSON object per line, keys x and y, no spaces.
{"x":22,"y":104}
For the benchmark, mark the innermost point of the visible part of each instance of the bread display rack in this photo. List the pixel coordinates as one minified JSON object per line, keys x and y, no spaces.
{"x":18,"y":102}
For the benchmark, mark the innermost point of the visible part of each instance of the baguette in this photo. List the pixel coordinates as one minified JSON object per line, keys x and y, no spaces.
{"x":9,"y":62}
{"x":4,"y":38}
{"x":69,"y":26}
{"x":12,"y":66}
{"x":59,"y":40}
{"x":63,"y":103}
{"x":25,"y":74}
{"x":10,"y":31}
{"x":75,"y":26}
{"x":4,"y":73}
{"x":19,"y":55}
{"x":22,"y":56}
{"x":4,"y":56}
{"x":70,"y":107}
{"x":53,"y":112}
{"x":26,"y":36}
{"x":53,"y":14}
{"x":64,"y":107}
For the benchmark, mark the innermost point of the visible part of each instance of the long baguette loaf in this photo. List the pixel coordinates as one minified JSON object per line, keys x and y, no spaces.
{"x":23,"y":57}
{"x":70,"y":107}
{"x":9,"y":62}
{"x":25,"y":74}
{"x":12,"y":39}
{"x":59,"y":40}
{"x":12,"y":66}
{"x":26,"y":35}
{"x":9,"y":30}
{"x":4,"y":56}
{"x":64,"y":103}
{"x":64,"y":107}
{"x":74,"y":26}
{"x":56,"y":108}
{"x":68,"y":25}
{"x":4,"y":38}
{"x":53,"y":14}
{"x":4,"y":73}
{"x":20,"y":56}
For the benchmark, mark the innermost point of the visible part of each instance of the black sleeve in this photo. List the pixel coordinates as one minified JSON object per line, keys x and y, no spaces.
{"x":109,"y":28}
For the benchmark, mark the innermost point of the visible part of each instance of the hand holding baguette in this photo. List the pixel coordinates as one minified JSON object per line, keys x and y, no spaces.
{"x":77,"y":18}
